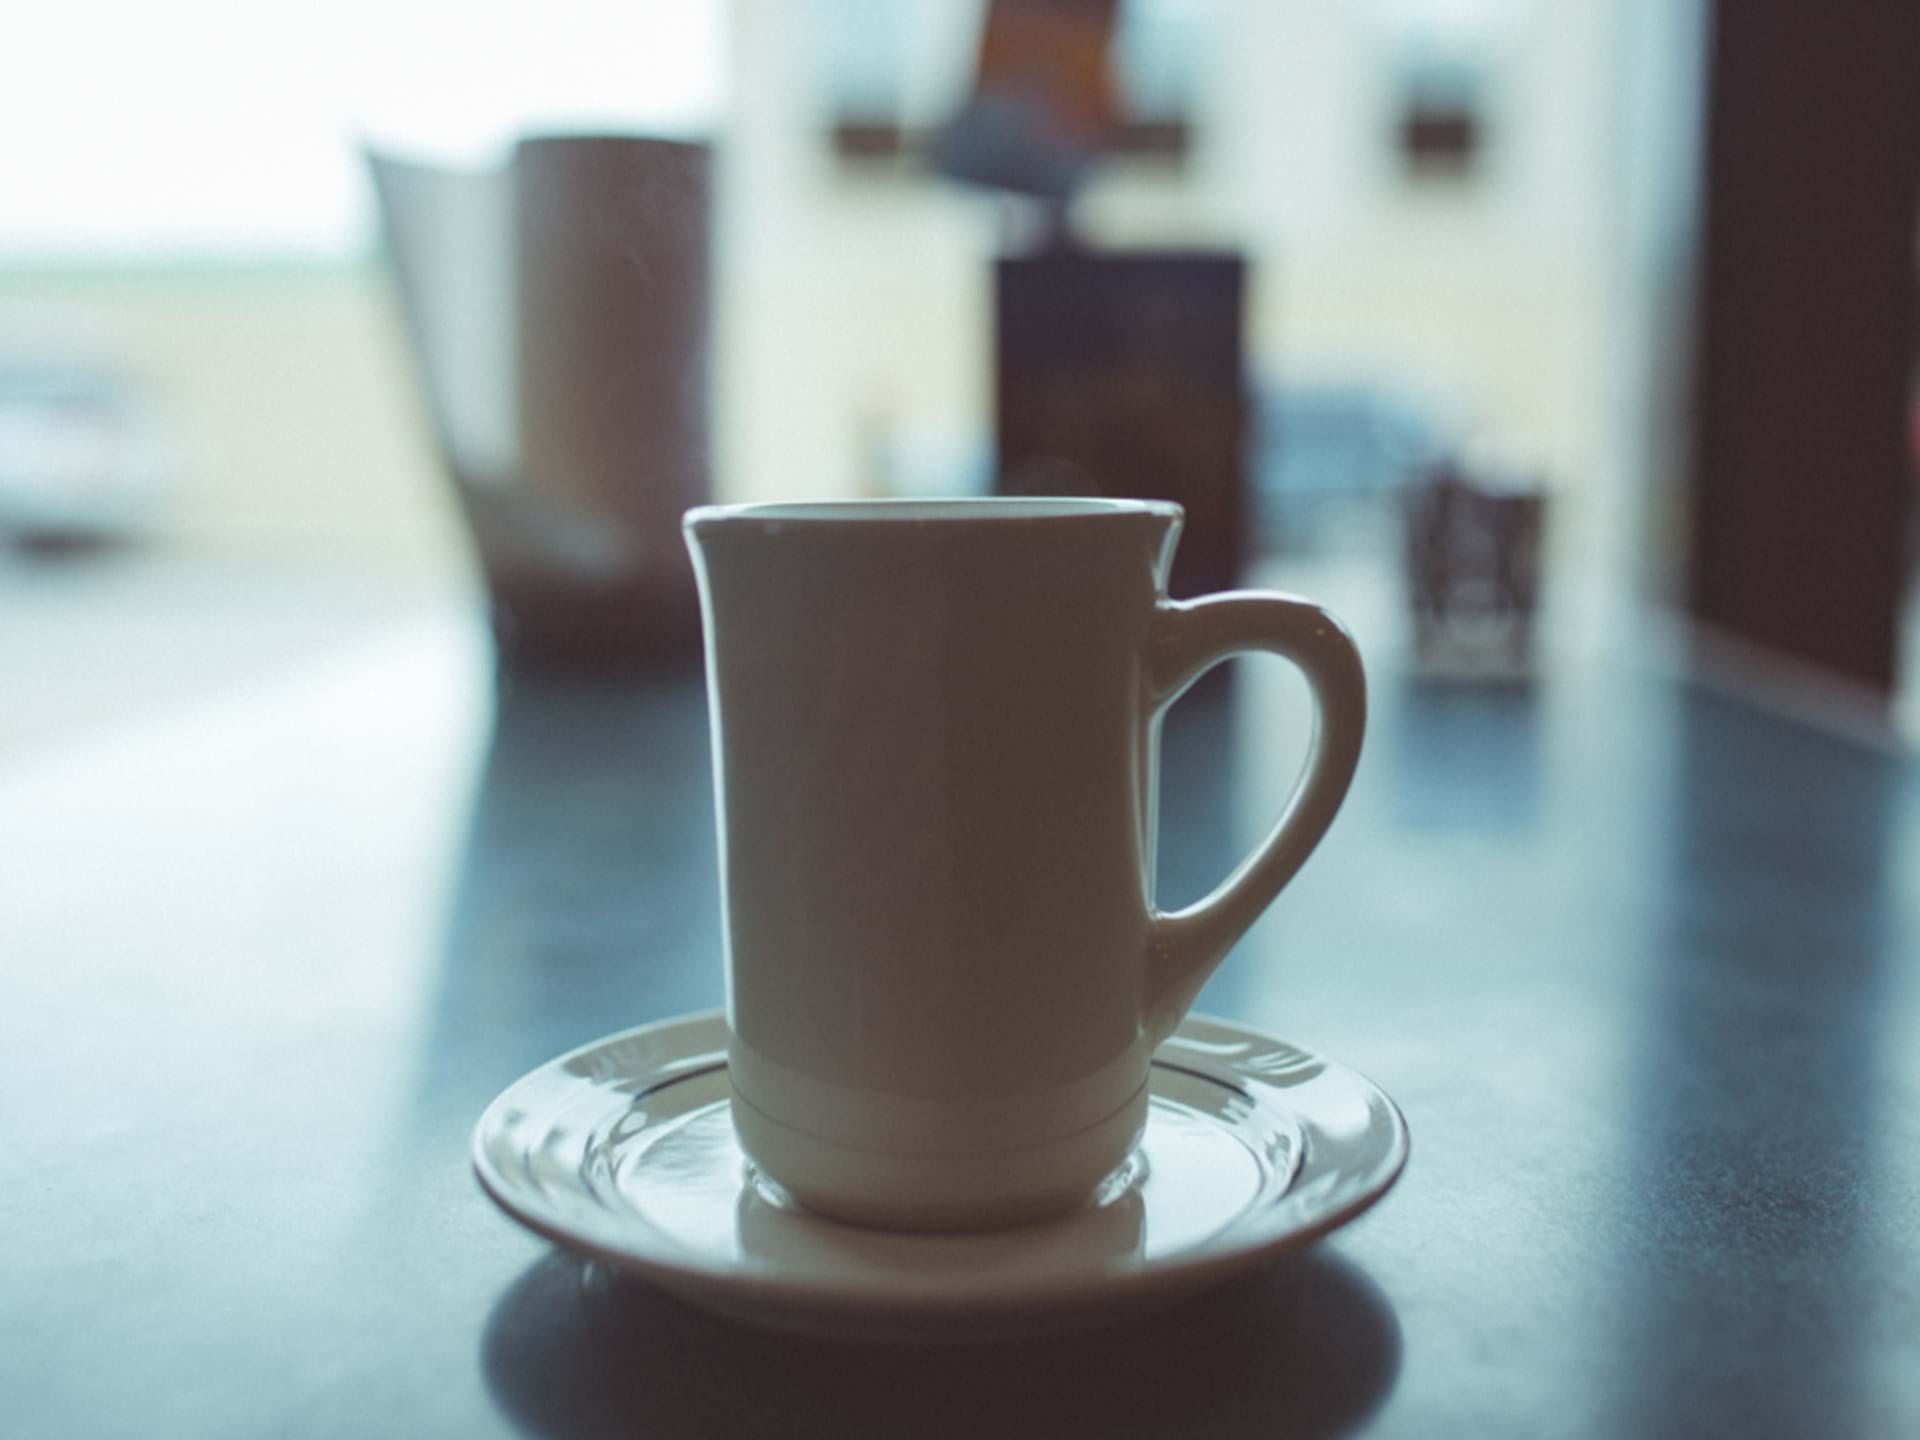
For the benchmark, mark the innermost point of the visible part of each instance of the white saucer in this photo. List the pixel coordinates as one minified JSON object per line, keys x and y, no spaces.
{"x":624,"y":1150}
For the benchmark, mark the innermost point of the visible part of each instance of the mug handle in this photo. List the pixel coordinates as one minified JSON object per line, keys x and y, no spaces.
{"x":1189,"y":638}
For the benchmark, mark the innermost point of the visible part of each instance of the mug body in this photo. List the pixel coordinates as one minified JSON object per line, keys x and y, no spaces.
{"x":935,"y":759}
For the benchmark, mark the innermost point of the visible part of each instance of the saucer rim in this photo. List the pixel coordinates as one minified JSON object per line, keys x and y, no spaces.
{"x":1214,"y":1260}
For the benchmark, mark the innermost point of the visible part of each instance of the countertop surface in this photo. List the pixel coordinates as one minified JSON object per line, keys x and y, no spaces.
{"x":1641,"y":965}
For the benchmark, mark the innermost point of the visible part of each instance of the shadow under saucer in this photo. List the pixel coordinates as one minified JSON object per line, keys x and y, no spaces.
{"x":1306,"y":1347}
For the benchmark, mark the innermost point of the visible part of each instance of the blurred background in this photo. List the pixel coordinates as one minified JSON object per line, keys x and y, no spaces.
{"x":1512,"y":328}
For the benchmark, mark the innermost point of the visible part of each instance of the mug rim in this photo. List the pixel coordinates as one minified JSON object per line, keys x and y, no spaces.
{"x":959,"y":510}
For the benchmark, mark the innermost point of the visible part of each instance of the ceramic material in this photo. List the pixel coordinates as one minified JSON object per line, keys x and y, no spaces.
{"x":625,"y":1150}
{"x":936,"y":746}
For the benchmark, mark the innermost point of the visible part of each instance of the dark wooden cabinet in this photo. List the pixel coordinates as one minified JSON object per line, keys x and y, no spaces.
{"x":1124,"y":374}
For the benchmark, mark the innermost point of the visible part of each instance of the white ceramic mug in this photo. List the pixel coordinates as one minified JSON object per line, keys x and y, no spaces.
{"x":936,"y":735}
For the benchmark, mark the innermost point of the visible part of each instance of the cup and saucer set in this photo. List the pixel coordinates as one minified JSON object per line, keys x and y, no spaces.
{"x":957,"y":1092}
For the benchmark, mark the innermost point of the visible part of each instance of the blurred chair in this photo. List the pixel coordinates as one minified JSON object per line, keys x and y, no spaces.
{"x":1473,"y":571}
{"x":557,"y":308}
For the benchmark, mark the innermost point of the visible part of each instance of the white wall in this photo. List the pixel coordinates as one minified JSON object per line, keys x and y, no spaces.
{"x":846,"y":306}
{"x":857,"y":304}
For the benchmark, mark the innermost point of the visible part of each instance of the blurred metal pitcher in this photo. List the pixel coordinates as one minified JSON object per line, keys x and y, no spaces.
{"x":558,"y":312}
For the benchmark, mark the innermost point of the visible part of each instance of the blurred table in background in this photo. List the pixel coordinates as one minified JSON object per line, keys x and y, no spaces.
{"x":1641,"y":965}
